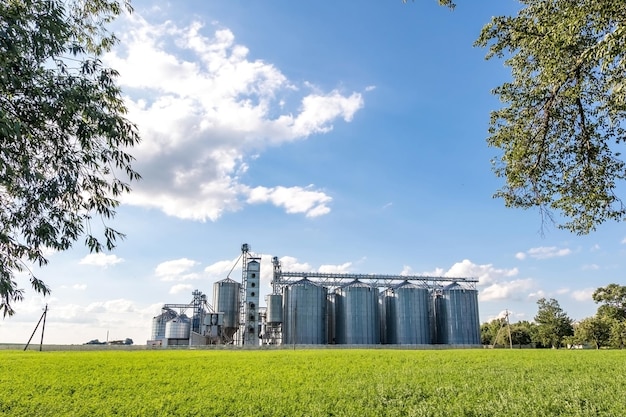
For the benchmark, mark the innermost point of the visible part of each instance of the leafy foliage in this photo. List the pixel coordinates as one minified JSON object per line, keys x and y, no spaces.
{"x":613,"y":301}
{"x":553,"y":324}
{"x":63,"y":158}
{"x":562,"y":130}
{"x":596,"y":330}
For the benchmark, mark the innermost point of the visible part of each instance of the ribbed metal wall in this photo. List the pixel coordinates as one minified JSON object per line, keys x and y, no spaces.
{"x":158,"y":323}
{"x":226,"y":300}
{"x":406,"y":309}
{"x":178,"y":328}
{"x":304,"y":313}
{"x":274,"y":304}
{"x":357,"y":314}
{"x":330,"y":319}
{"x":456,"y":316}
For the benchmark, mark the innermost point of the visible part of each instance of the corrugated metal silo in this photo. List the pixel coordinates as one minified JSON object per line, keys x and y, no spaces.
{"x":330,"y":319}
{"x":178,"y":328}
{"x":356,"y":314}
{"x":304,"y":313}
{"x":226,"y":300}
{"x":274,"y":308}
{"x":456,"y":316}
{"x":407,"y":318}
{"x":158,"y":323}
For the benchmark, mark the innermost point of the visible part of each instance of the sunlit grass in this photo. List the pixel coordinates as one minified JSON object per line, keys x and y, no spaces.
{"x":314,"y":383}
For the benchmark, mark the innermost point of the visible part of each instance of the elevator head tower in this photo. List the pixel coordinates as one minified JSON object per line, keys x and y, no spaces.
{"x":251,"y":280}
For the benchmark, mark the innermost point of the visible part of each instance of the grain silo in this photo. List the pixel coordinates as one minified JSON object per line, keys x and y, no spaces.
{"x":357,"y":314}
{"x":226,"y":300}
{"x":456,"y":315}
{"x":159,"y":322}
{"x":304,"y":313}
{"x":406,"y":309}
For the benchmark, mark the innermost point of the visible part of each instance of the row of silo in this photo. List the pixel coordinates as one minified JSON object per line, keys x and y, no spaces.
{"x":358,"y":314}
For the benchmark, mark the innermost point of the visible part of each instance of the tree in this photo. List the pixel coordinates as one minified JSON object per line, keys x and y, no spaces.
{"x":522,"y":333}
{"x":613,"y":301}
{"x":553,"y":324}
{"x":618,"y":334}
{"x":561,"y":130}
{"x":64,"y":137}
{"x":596,"y":330}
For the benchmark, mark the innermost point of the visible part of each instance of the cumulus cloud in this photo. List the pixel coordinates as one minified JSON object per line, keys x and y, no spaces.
{"x":101,"y":259}
{"x":583,"y":295}
{"x":493,"y":283}
{"x":293,"y":199}
{"x":544,"y":252}
{"x":511,"y":290}
{"x":336,"y":269}
{"x":204,"y":110}
{"x":176,"y":270}
{"x":485,"y":273}
{"x":178,"y":288}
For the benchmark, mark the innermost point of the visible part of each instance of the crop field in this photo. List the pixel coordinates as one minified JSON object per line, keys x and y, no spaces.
{"x":325,"y":382}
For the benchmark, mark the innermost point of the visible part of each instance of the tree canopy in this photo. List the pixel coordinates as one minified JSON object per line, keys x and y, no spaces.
{"x":561,"y":129}
{"x":553,"y":324}
{"x":63,"y":134}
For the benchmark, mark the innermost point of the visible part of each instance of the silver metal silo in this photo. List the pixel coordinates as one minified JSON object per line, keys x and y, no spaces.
{"x":158,"y":323}
{"x":407,"y":320}
{"x":330,"y":319}
{"x":357,"y":314}
{"x":274,"y":304}
{"x":304,"y":313}
{"x":456,"y":316}
{"x":178,"y":328}
{"x":226,"y":300}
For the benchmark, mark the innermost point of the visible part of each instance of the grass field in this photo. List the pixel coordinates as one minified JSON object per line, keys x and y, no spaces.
{"x":313,"y":383}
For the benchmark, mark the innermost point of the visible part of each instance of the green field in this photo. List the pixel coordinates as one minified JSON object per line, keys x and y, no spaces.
{"x":325,"y":382}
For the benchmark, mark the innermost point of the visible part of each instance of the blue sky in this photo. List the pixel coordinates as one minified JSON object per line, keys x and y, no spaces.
{"x":337,"y":136}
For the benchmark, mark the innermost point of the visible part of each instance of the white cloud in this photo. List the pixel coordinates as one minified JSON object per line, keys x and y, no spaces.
{"x":623,"y":241}
{"x":592,"y":267}
{"x":546,"y":252}
{"x":520,"y":255}
{"x":220,"y":269}
{"x":176,"y":270}
{"x":205,"y":110}
{"x":486,"y":273}
{"x":406,"y":270}
{"x":335,"y":269}
{"x":101,"y":259}
{"x":595,"y":248}
{"x":293,"y":199}
{"x":79,"y":287}
{"x":583,"y":295}
{"x":289,"y":263}
{"x":512,"y":290}
{"x":178,"y":288}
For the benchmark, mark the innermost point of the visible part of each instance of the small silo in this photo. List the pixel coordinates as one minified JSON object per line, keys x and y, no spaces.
{"x":357,"y":314}
{"x":456,"y":315}
{"x":304,"y":313}
{"x":178,"y":328}
{"x":226,"y":300}
{"x":274,"y":304}
{"x":406,"y":309}
{"x":159,"y":322}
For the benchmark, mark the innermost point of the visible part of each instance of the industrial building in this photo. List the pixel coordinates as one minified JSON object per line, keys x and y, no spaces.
{"x":311,"y":308}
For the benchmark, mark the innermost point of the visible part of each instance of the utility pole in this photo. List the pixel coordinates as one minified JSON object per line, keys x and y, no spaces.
{"x":43,"y":329}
